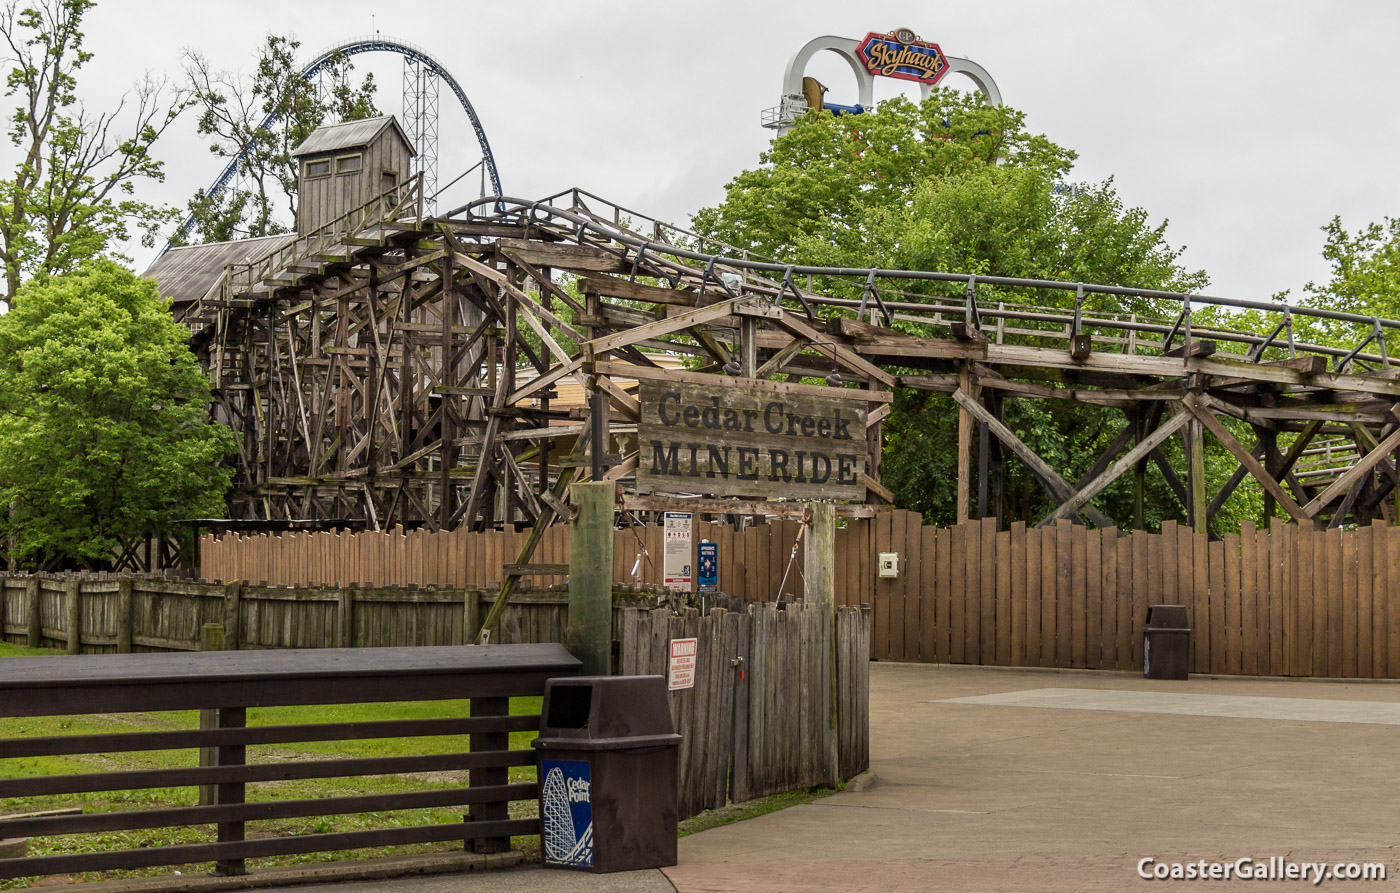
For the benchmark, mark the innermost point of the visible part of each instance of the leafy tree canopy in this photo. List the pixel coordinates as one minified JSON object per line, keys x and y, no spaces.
{"x":70,"y":196}
{"x":104,"y":430}
{"x":953,"y":184}
{"x":234,"y":113}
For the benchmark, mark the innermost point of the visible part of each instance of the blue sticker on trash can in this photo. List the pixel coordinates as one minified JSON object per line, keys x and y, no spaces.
{"x":566,"y":798}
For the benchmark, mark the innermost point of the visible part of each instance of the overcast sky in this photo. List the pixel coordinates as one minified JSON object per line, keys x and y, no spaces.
{"x":1248,"y":125}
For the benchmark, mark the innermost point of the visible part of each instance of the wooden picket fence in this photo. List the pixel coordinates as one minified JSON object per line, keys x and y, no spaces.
{"x":121,"y":614}
{"x":1285,"y":601}
{"x":1281,"y":601}
{"x":755,"y":723}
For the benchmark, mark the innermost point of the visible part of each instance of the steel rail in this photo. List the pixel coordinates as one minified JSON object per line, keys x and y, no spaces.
{"x":529,"y":211}
{"x":353,"y":47}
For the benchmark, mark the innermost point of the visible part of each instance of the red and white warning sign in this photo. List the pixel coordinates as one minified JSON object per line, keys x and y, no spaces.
{"x":680,"y":671}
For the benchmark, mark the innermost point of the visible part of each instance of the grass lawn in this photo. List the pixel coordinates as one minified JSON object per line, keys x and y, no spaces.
{"x":114,"y":801}
{"x":288,"y":790}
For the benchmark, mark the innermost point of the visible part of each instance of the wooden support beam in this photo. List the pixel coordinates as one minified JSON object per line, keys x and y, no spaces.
{"x":1354,"y":474}
{"x":964,"y":458}
{"x":662,"y":327}
{"x":1149,"y":443}
{"x":878,"y":488}
{"x":606,"y":286}
{"x":838,"y":352}
{"x":1200,"y":406}
{"x":1057,"y":486}
{"x":624,"y":370}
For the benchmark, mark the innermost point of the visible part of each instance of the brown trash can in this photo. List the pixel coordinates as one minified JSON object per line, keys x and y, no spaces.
{"x":1166,"y":642}
{"x":607,"y":756}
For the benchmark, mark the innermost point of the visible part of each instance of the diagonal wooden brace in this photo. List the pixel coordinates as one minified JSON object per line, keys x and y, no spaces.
{"x":1058,"y":486}
{"x":1128,"y":460}
{"x":1199,"y":406}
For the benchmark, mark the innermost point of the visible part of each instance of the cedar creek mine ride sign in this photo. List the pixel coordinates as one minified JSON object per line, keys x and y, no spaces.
{"x":750,"y":439}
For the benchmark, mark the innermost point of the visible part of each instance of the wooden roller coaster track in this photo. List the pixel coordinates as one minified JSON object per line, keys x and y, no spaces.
{"x":402,"y":369}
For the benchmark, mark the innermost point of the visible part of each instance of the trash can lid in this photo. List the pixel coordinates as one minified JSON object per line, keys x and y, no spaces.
{"x":1167,"y":616}
{"x":606,"y":708}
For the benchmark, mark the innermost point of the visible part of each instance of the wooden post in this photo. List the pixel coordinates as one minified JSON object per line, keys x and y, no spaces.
{"x":748,"y":346}
{"x":965,"y":445}
{"x":124,"y":616}
{"x":1273,"y":463}
{"x":1196,"y":480}
{"x":72,"y":593}
{"x":471,"y":619}
{"x":819,"y":577}
{"x":35,"y":631}
{"x":211,"y":638}
{"x":819,"y":557}
{"x":233,"y":623}
{"x":232,"y":792}
{"x":346,"y":616}
{"x":496,"y":810}
{"x":1139,"y":423}
{"x":589,"y":631}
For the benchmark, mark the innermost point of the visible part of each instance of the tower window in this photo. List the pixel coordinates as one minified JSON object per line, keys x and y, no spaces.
{"x":348,"y":164}
{"x":318,"y":168}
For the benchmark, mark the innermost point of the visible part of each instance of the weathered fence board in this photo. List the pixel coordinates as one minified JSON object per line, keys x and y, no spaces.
{"x":1282,"y":600}
{"x":757,"y":721}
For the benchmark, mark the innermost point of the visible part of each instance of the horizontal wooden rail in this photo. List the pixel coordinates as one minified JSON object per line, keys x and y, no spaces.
{"x":275,"y":846}
{"x":224,"y":685}
{"x":141,"y":779}
{"x":58,"y":745}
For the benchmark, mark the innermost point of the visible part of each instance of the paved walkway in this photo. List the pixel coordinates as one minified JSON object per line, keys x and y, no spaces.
{"x":1045,"y":781}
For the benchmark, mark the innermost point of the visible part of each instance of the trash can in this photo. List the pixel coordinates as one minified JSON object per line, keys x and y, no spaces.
{"x":1166,"y":642}
{"x":607,"y":767}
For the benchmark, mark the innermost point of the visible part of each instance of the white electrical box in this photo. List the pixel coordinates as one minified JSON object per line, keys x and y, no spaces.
{"x":889,"y":564}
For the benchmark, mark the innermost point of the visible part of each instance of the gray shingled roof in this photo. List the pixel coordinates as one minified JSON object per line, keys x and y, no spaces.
{"x":185,"y":274}
{"x":348,"y":135}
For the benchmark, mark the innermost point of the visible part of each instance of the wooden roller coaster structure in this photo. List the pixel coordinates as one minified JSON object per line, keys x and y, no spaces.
{"x":401,"y":369}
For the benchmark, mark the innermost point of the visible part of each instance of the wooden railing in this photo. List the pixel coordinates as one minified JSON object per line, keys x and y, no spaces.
{"x":131,"y":613}
{"x":229,"y":683}
{"x":401,"y":204}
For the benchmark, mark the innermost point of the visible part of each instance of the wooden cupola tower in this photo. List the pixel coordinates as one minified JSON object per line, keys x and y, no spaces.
{"x":345,"y":165}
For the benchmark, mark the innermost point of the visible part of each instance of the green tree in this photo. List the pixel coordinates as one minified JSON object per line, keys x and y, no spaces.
{"x":104,"y":426}
{"x":953,"y":184}
{"x":1365,"y":279}
{"x":70,"y":195}
{"x":233,"y":109}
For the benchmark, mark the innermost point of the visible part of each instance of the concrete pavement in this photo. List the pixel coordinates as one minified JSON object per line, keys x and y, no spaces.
{"x":993,"y":780}
{"x":978,"y":796}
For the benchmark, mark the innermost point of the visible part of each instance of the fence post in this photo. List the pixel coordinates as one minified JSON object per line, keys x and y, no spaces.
{"x":471,"y":619}
{"x":231,"y":792}
{"x":589,"y":632}
{"x":73,"y":608}
{"x":819,"y":575}
{"x":233,"y":627}
{"x":211,"y":638}
{"x":346,"y":616}
{"x":124,"y":615}
{"x":35,"y":632}
{"x":494,"y":810}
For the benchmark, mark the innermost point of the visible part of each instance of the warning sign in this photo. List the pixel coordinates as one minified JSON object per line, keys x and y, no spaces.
{"x":680,"y":671}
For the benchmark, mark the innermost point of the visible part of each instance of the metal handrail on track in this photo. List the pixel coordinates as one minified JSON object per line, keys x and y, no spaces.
{"x":580,"y":224}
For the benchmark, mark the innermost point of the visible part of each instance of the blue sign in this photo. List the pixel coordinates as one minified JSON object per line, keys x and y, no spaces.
{"x":708,"y":577}
{"x":567,"y":812}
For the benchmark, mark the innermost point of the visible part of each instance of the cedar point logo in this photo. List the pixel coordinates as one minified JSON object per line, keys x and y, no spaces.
{"x":901,"y":54}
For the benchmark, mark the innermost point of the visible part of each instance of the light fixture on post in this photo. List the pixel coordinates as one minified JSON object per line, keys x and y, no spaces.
{"x":732,"y":367}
